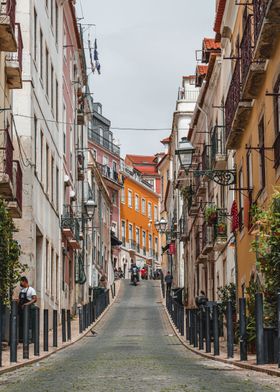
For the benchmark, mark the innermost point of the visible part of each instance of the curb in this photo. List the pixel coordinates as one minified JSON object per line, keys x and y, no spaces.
{"x":240,"y":364}
{"x":29,"y":362}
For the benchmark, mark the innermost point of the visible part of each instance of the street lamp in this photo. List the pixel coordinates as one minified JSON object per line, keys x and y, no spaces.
{"x":185,"y":153}
{"x":90,"y":206}
{"x":161,"y":225}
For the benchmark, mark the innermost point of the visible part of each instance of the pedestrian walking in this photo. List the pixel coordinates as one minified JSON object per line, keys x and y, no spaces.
{"x":27,"y":297}
{"x":168,"y":281}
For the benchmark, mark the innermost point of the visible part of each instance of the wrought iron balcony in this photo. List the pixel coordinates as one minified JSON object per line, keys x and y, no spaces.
{"x":259,"y":8}
{"x":6,"y":164}
{"x":14,"y":63}
{"x":7,"y":25}
{"x":15,"y":204}
{"x":207,"y":238}
{"x":110,"y":174}
{"x":103,"y":142}
{"x":70,"y":227}
{"x":132,"y":245}
{"x":218,"y":148}
{"x":183,"y":228}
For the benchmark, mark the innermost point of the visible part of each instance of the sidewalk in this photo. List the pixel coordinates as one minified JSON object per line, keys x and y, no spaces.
{"x":76,"y":336}
{"x":250,"y":364}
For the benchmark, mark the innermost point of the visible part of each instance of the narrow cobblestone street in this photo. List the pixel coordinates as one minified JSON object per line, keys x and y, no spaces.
{"x":134,"y":350}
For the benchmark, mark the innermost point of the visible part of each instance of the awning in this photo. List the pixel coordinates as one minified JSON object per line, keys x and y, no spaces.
{"x":115,"y":241}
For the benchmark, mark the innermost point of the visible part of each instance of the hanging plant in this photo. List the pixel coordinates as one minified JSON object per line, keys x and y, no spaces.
{"x":211,"y":215}
{"x":10,"y":266}
{"x":222,"y":229}
{"x":267,"y":248}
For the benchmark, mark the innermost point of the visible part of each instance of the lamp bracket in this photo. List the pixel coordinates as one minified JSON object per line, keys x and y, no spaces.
{"x":221,"y":177}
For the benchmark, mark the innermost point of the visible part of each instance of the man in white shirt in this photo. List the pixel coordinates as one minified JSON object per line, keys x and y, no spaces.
{"x":27,"y":297}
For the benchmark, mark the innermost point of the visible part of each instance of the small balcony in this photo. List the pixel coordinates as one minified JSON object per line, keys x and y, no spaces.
{"x":132,"y":246}
{"x":95,"y":137}
{"x":6,"y":165}
{"x":207,"y":239}
{"x":182,"y":228}
{"x":110,"y":174}
{"x":237,"y":112}
{"x":14,"y":63}
{"x":70,"y":227}
{"x":8,"y":41}
{"x":220,"y":231}
{"x":218,"y":148}
{"x":15,"y":204}
{"x":266,"y":27}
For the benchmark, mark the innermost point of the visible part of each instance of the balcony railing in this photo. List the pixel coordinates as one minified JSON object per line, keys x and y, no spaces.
{"x":7,"y":155}
{"x":233,"y":98}
{"x":218,"y":143}
{"x":17,"y":56}
{"x":70,"y":222}
{"x":101,"y":141}
{"x":110,"y":173}
{"x":276,"y":147}
{"x":18,"y":183}
{"x":8,"y":8}
{"x":207,"y":237}
{"x":14,"y":62}
{"x":246,"y":49}
{"x":132,"y":244}
{"x":259,"y":7}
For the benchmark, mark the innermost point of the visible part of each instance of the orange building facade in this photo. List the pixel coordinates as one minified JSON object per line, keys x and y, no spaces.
{"x":139,"y":212}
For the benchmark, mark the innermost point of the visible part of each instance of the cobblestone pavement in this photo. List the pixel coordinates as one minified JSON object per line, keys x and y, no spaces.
{"x":134,"y":350}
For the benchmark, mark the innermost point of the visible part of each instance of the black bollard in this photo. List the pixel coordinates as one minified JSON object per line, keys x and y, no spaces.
{"x":13,"y":334}
{"x":54,"y":328}
{"x":80,"y":320}
{"x":259,"y":329}
{"x":36,"y":331}
{"x":278,"y":322}
{"x":26,"y":312}
{"x":46,"y":330}
{"x":63,"y":325}
{"x":200,"y":319}
{"x":216,"y":329}
{"x":207,"y":329}
{"x":84,"y":317}
{"x":68,"y":324}
{"x":191,"y":322}
{"x":1,"y":329}
{"x":242,"y":329}
{"x":230,"y":337}
{"x":187,"y":324}
{"x":195,"y":344}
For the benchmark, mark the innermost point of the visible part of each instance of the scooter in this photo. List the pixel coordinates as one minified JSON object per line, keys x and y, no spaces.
{"x":134,"y":279}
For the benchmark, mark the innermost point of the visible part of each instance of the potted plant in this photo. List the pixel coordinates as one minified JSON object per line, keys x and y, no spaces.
{"x":222,"y":229}
{"x":211,"y":215}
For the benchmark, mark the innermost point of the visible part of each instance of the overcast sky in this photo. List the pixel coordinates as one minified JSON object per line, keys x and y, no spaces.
{"x":145,"y":47}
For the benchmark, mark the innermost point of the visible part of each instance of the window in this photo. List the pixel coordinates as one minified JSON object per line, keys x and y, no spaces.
{"x":56,"y":100}
{"x":52,"y":180}
{"x":52,"y":272}
{"x":52,"y":12}
{"x":57,"y":188}
{"x":241,"y":200}
{"x":47,"y":168}
{"x":35,"y":35}
{"x":150,"y":210}
{"x":137,"y":233}
{"x":47,"y":72}
{"x":35,"y":142}
{"x":136,"y":202}
{"x":277,"y":123}
{"x":56,"y":22}
{"x":144,"y":206}
{"x":261,"y":154}
{"x":115,"y":197}
{"x":41,"y":154}
{"x":144,"y":239}
{"x":162,"y":185}
{"x":52,"y":82}
{"x":130,"y":232}
{"x":156,"y":213}
{"x":150,"y":244}
{"x":123,"y":233}
{"x":156,"y":245}
{"x":123,"y":195}
{"x":41,"y":54}
{"x":129,"y":202}
{"x":47,"y":280}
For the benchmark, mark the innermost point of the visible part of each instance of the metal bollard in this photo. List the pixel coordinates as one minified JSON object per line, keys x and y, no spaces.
{"x":259,"y":329}
{"x":278,"y":322}
{"x":26,"y":312}
{"x":191,"y":322}
{"x":13,"y":335}
{"x":63,"y":325}
{"x":187,"y":318}
{"x":68,"y":324}
{"x":200,"y":318}
{"x":84,"y":317}
{"x":46,"y":330}
{"x":80,"y":320}
{"x":207,"y":330}
{"x":195,"y":343}
{"x":230,"y":338}
{"x":242,"y":328}
{"x":36,"y":331}
{"x":216,"y":329}
{"x":54,"y":328}
{"x":1,"y":322}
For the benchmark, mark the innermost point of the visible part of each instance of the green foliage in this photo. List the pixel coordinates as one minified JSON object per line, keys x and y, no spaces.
{"x":210,"y":214}
{"x":10,"y":266}
{"x":267,"y":249}
{"x":225,"y":294}
{"x":251,"y":291}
